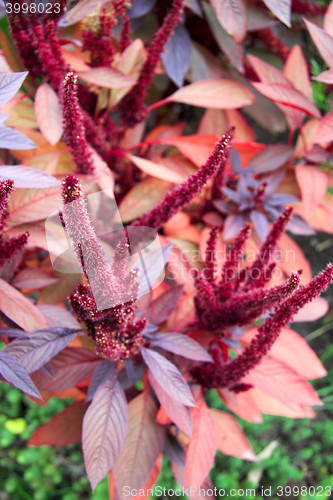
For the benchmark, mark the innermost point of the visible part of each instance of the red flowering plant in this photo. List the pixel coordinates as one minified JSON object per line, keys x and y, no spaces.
{"x":85,"y":314}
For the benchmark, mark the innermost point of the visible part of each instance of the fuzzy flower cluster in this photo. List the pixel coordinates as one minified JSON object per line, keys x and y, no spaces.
{"x":97,"y":304}
{"x":239,"y":297}
{"x":8,"y":247}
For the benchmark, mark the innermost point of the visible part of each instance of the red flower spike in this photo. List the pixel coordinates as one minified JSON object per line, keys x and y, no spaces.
{"x":229,"y":274}
{"x":181,"y":196}
{"x":10,"y":247}
{"x":74,"y":132}
{"x":98,"y":40}
{"x":210,"y":257}
{"x":132,"y":107}
{"x":112,"y":325}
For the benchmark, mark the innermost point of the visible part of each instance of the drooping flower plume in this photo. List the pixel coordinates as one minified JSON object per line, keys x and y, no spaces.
{"x":8,"y":247}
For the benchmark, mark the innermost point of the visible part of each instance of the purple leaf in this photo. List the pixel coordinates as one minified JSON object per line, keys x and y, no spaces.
{"x":179,"y":413}
{"x":298,"y":225}
{"x":181,"y":344}
{"x":221,"y":206}
{"x":168,"y":376}
{"x":140,"y":8}
{"x":104,"y":430}
{"x":27,"y":177}
{"x":271,"y":158}
{"x":235,"y":161}
{"x":281,"y":199}
{"x":102,"y":372}
{"x":273,"y":182}
{"x":160,"y":309}
{"x":260,"y":224}
{"x":71,"y":366}
{"x":150,"y":266}
{"x":37,"y":350}
{"x":58,"y":316}
{"x":12,"y":139}
{"x":194,"y":5}
{"x":177,"y":55}
{"x":10,"y":83}
{"x":233,"y":224}
{"x":13,"y":333}
{"x":15,"y":374}
{"x":131,"y":375}
{"x":143,"y":444}
{"x":233,"y":195}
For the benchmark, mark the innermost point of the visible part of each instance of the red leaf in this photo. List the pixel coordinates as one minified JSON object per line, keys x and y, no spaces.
{"x":313,"y":184}
{"x":20,"y":309}
{"x":217,"y":94}
{"x":293,"y":350}
{"x":281,"y":9}
{"x":48,"y":113}
{"x":69,"y":367}
{"x":230,"y":438}
{"x":168,"y":376}
{"x":104,"y":429}
{"x":288,"y":96}
{"x":143,"y":444}
{"x":323,"y":42}
{"x":200,"y":452}
{"x":233,"y":17}
{"x":296,"y":70}
{"x":179,"y":413}
{"x":280,"y":381}
{"x":63,"y":429}
{"x":324,"y":132}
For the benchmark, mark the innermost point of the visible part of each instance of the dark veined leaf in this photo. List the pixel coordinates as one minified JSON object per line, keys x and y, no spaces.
{"x":143,"y":443}
{"x":36,"y":351}
{"x":177,"y":55}
{"x":69,"y":367}
{"x":179,"y":413}
{"x":10,"y":83}
{"x":27,"y":177}
{"x":181,"y":344}
{"x":102,"y":372}
{"x":64,"y":428}
{"x":12,"y":371}
{"x":104,"y":429}
{"x":160,"y":309}
{"x":201,"y":449}
{"x":168,"y":376}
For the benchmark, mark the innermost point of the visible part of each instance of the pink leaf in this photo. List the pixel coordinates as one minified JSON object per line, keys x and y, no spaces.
{"x":281,"y":9}
{"x":323,"y":42}
{"x":288,"y":96}
{"x":179,"y":413}
{"x":296,"y":70}
{"x":233,"y":17}
{"x":268,"y":73}
{"x":230,"y":438}
{"x":200,"y":452}
{"x":168,"y":376}
{"x":104,"y":430}
{"x":324,"y":132}
{"x":108,"y":78}
{"x":273,"y":406}
{"x":143,"y":444}
{"x":48,"y":113}
{"x":20,"y":309}
{"x":241,"y":404}
{"x":328,"y":20}
{"x":325,"y":77}
{"x":313,"y":311}
{"x":33,"y":278}
{"x":217,"y":94}
{"x":156,"y":170}
{"x":278,"y":380}
{"x":62,"y":429}
{"x":313,"y":184}
{"x":293,"y":350}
